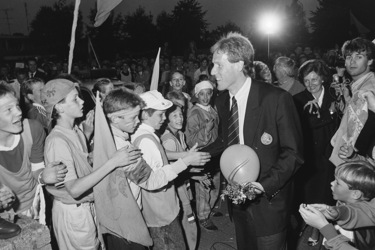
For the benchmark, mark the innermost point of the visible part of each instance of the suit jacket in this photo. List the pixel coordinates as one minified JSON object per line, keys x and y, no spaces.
{"x":270,"y":113}
{"x":39,"y":74}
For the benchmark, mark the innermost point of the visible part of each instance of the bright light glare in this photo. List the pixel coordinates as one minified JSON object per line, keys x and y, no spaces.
{"x":270,"y":23}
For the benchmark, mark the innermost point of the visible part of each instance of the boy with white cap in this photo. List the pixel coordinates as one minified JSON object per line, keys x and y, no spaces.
{"x":202,"y":128}
{"x":161,"y":207}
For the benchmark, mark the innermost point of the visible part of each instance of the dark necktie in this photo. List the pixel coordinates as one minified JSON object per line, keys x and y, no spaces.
{"x":233,"y":129}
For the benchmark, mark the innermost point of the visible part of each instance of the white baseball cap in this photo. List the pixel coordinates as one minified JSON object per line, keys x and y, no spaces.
{"x":155,"y":100}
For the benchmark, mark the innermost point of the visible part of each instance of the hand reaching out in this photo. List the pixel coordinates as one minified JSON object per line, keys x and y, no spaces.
{"x":125,"y":157}
{"x":329,"y":212}
{"x":312,"y":216}
{"x":196,"y":158}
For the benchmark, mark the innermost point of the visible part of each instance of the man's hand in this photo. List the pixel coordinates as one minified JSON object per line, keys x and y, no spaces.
{"x":346,"y":152}
{"x":370,"y":98}
{"x":259,"y":188}
{"x":54,"y":173}
{"x":312,"y":216}
{"x":7,"y":197}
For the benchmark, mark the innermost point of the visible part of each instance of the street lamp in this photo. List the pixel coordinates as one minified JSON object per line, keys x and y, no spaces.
{"x":269,"y":24}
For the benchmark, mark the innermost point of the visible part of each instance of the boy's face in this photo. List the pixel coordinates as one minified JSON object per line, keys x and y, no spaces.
{"x":156,"y":120}
{"x":10,"y":115}
{"x":204,"y":97}
{"x":341,"y":191}
{"x":128,"y":121}
{"x":357,"y":64}
{"x":107,"y":88}
{"x":73,"y":105}
{"x":177,"y":82}
{"x":37,"y":88}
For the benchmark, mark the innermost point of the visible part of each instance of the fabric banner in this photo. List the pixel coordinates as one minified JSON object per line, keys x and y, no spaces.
{"x":104,"y":8}
{"x":155,"y":73}
{"x":117,"y":211}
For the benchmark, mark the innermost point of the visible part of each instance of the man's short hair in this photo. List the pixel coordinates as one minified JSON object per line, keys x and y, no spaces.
{"x":286,"y":65}
{"x":99,"y":85}
{"x":6,"y":90}
{"x":27,"y":86}
{"x":358,"y":175}
{"x":238,"y":48}
{"x":359,"y":45}
{"x":119,"y":99}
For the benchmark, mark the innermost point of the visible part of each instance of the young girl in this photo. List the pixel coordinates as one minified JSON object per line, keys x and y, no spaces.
{"x":173,"y":140}
{"x":73,"y":212}
{"x":202,"y":128}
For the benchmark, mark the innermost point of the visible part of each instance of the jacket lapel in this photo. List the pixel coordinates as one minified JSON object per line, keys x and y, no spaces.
{"x":252,"y":113}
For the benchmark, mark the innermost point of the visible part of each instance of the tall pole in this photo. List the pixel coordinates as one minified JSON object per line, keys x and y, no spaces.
{"x":27,"y":18}
{"x":268,"y":46}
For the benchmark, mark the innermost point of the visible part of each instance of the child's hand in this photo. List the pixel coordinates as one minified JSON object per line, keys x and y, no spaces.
{"x":125,"y":156}
{"x":7,"y":197}
{"x":370,"y":98}
{"x":195,"y":158}
{"x":328,"y":211}
{"x":312,"y":216}
{"x":54,"y":172}
{"x":346,"y":151}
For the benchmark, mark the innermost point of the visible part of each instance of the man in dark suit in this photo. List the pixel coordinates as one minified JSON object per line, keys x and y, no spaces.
{"x":34,"y":72}
{"x":268,"y":122}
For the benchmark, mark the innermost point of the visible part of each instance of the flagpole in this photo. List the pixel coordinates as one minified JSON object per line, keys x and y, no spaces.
{"x":72,"y":38}
{"x":93,"y":50}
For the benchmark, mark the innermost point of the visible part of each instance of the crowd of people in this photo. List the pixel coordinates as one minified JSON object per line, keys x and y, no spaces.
{"x":308,"y":116}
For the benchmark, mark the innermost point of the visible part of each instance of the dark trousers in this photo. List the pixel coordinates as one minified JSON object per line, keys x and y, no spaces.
{"x":246,"y":233}
{"x":113,"y":242}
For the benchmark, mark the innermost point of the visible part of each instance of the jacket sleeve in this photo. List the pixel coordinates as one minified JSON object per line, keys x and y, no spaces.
{"x":290,"y":156}
{"x":355,"y":215}
{"x":335,"y":241}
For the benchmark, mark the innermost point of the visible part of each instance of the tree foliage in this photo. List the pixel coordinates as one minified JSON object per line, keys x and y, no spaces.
{"x":330,"y":23}
{"x":221,"y":30}
{"x":189,"y":24}
{"x":51,"y":27}
{"x":296,"y":24}
{"x":141,"y":30}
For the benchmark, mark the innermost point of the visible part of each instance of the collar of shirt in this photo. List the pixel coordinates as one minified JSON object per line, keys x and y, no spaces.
{"x":207,"y":108}
{"x":17,"y":138}
{"x":117,"y":132}
{"x":320,"y":99}
{"x":241,"y":98}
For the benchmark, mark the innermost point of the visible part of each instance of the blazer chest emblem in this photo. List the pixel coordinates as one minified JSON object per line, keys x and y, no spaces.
{"x":266,"y":138}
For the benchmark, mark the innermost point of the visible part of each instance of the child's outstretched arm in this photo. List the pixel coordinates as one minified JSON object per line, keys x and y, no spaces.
{"x":316,"y":219}
{"x":122,"y":157}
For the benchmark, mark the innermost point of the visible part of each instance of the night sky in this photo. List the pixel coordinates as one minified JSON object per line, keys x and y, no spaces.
{"x":241,"y":12}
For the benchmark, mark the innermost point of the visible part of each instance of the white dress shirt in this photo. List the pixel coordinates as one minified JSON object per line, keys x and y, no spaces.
{"x":241,"y":98}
